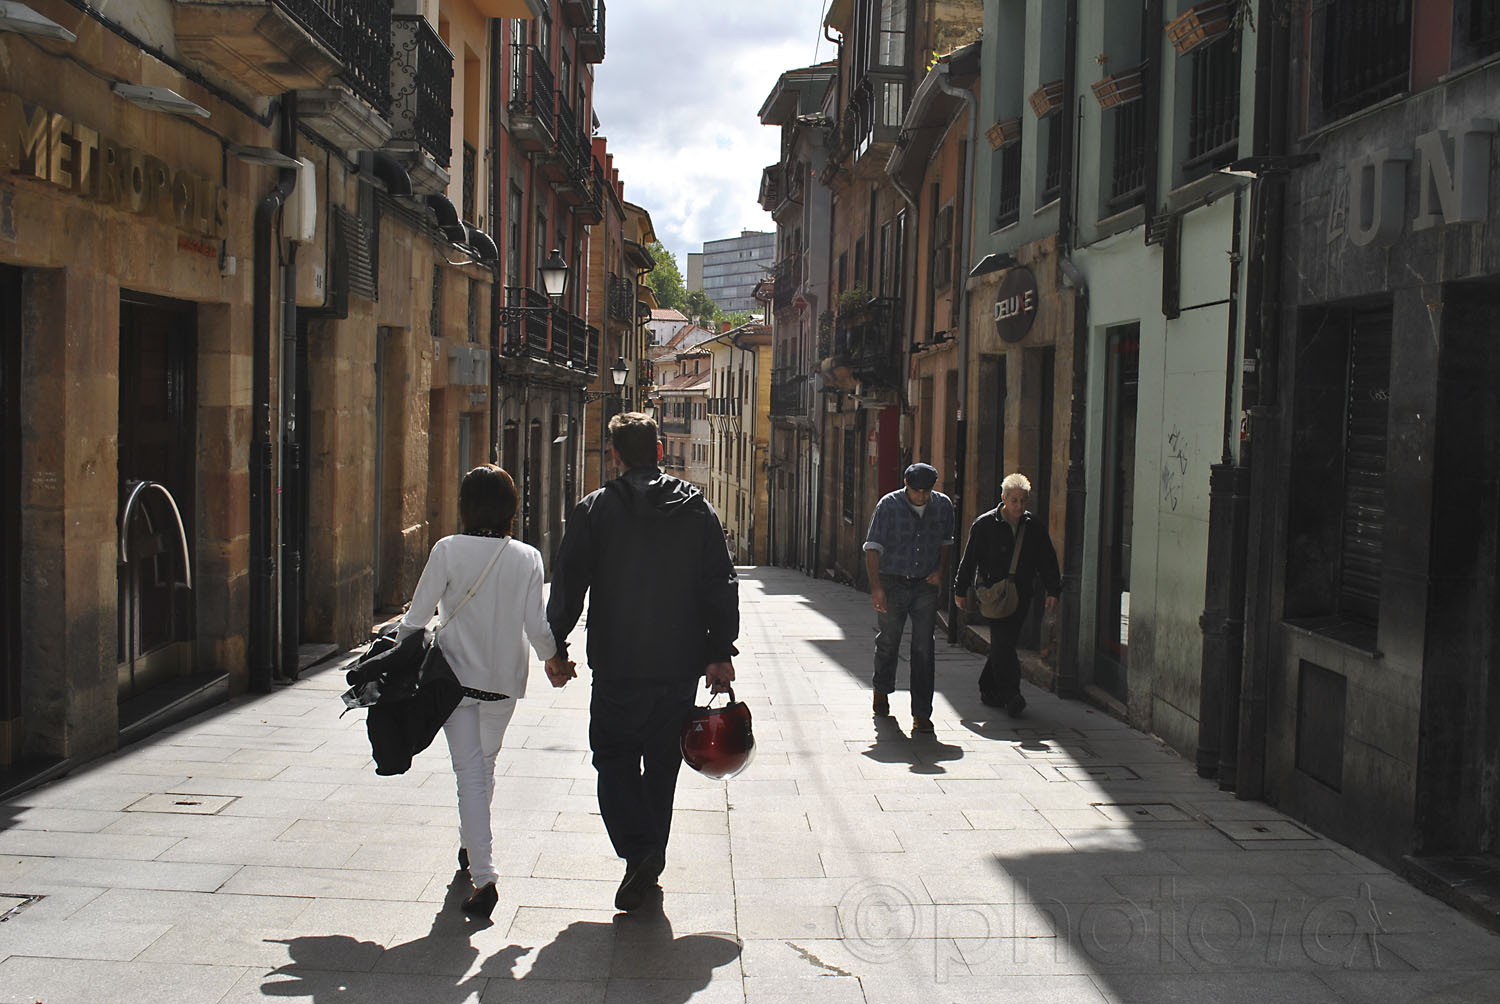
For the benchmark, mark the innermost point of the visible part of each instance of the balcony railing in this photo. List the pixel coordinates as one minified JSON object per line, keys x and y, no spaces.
{"x":319,"y":17}
{"x":567,"y":134}
{"x":1367,"y":53}
{"x":471,"y":172}
{"x":421,"y":87}
{"x":591,"y":37}
{"x":366,"y":43}
{"x":788,"y":393}
{"x":591,"y":208}
{"x":549,"y":334}
{"x":621,"y":295}
{"x":867,"y":341}
{"x":788,"y":279}
{"x":532,"y":89}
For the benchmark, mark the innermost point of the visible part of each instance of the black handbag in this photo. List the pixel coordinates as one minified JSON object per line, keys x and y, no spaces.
{"x":409,"y":688}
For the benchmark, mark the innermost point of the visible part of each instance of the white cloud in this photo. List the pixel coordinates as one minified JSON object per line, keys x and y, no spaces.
{"x":678,"y":95}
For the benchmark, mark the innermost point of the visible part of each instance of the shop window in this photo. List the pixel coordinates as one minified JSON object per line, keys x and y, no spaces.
{"x":1336,"y":518}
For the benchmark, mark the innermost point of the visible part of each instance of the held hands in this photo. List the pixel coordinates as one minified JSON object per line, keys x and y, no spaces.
{"x":560,"y":670}
{"x":719,"y":676}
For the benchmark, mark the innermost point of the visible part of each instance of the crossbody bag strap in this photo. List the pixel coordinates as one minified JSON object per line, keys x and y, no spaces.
{"x":474,"y":588}
{"x":1015,"y":556}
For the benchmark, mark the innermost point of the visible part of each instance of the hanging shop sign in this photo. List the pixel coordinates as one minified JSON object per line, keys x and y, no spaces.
{"x":1453,"y":186}
{"x":1015,"y":304}
{"x":78,"y":158}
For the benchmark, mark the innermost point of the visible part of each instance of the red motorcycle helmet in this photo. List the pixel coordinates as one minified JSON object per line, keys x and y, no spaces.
{"x":717,"y":742}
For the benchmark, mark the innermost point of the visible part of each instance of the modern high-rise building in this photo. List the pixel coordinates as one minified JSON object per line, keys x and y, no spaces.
{"x":732,"y":267}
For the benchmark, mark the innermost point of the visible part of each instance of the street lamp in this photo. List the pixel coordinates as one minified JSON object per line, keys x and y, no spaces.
{"x":554,"y":273}
{"x":617,"y":375}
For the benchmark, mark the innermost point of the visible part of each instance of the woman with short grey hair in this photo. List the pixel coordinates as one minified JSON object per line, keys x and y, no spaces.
{"x":993,"y":538}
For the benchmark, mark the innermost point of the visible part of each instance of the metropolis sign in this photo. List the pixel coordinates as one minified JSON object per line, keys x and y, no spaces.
{"x":1015,"y":304}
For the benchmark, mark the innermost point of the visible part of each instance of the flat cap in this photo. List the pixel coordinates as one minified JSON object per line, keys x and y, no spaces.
{"x":921,"y":476}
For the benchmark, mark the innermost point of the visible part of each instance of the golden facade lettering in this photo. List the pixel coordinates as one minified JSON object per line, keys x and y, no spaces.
{"x":54,"y":148}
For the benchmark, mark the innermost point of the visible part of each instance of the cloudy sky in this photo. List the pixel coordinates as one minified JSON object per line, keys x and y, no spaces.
{"x":677,"y":97}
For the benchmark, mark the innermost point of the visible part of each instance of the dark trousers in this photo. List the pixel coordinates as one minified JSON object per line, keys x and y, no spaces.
{"x":635,"y":731}
{"x":915,"y":598}
{"x":1000,"y":679}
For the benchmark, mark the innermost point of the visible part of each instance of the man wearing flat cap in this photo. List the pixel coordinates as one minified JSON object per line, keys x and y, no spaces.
{"x":906,"y":554}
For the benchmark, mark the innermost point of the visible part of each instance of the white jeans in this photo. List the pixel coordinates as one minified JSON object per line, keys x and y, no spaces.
{"x":474,"y":732}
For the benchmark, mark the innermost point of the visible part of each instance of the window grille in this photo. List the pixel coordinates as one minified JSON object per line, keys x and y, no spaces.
{"x":1214,"y":112}
{"x":1008,"y":205}
{"x":1366,"y":53}
{"x":1052,"y":176}
{"x":942,"y":247}
{"x":1127,"y":183}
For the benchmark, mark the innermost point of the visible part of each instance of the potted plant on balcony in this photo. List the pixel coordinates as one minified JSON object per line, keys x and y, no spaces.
{"x":855,"y":306}
{"x":1118,"y":88}
{"x":1202,"y":23}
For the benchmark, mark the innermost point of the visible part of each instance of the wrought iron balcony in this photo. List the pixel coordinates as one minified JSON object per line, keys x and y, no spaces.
{"x":788,"y":278}
{"x":421,"y":88}
{"x":548,"y":334}
{"x":366,"y":39}
{"x":591,"y":208}
{"x":867,"y":341}
{"x":533,"y":99}
{"x":591,"y":36}
{"x":621,"y":294}
{"x":788,"y":393}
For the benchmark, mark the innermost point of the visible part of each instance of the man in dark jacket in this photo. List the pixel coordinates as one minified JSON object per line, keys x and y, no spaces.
{"x":987,"y":555}
{"x":663,"y":612}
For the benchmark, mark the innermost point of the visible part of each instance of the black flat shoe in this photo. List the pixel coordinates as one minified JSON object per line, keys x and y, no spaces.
{"x":639,"y":880}
{"x":482,"y":903}
{"x":463,"y":857}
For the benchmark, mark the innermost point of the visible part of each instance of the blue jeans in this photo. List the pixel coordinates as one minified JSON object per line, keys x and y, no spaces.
{"x":917,"y":599}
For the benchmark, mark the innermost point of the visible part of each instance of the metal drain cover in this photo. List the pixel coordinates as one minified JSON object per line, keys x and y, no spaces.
{"x":1143,"y":812}
{"x":1247,"y":830}
{"x":1112,"y":772}
{"x":190,"y":805}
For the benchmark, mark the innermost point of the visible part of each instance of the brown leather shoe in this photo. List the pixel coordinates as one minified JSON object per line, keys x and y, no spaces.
{"x":882,"y":704}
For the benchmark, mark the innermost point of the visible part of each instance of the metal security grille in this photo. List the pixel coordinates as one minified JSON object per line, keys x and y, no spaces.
{"x":356,"y":239}
{"x":1008,"y":205}
{"x":1366,"y":53}
{"x":1484,"y":26}
{"x":1362,"y":543}
{"x":1214,"y":114}
{"x":1052,"y":177}
{"x":1127,"y":182}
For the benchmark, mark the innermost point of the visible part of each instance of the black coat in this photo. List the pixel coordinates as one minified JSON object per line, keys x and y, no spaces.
{"x":988,"y":552}
{"x":663,"y":599}
{"x":415,"y":692}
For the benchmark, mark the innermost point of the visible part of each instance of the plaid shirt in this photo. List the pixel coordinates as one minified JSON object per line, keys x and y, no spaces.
{"x":909,"y":544}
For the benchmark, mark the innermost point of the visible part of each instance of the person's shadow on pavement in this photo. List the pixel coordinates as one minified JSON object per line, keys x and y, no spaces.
{"x":923,"y":752}
{"x":638,"y":947}
{"x":336,"y":968}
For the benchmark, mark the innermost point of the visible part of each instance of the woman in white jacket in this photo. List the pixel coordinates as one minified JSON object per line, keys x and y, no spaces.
{"x":485,"y":643}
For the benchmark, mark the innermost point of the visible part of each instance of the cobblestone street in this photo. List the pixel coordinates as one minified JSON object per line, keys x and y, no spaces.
{"x":252,"y":853}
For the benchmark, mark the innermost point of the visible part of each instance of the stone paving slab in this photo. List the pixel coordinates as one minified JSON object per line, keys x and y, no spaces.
{"x":251,"y":852}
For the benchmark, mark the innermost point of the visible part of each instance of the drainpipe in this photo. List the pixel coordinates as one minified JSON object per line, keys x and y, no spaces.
{"x":1222,"y":622}
{"x":1262,"y":336}
{"x":961,"y":447}
{"x":261,"y":648}
{"x":290,"y":479}
{"x":1067,"y":683}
